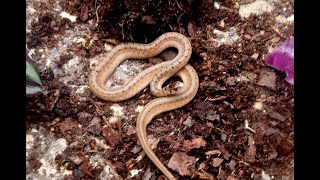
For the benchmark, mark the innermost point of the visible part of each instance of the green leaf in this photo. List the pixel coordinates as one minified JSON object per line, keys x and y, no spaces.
{"x":32,"y":73}
{"x":33,"y":90}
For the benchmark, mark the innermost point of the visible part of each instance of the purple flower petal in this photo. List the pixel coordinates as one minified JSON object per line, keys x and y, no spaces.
{"x":282,"y":58}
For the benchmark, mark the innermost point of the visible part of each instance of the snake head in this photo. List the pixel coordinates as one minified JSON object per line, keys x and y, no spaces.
{"x":33,"y":82}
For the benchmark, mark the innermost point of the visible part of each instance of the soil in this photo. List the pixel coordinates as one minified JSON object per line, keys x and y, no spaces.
{"x":242,"y":115}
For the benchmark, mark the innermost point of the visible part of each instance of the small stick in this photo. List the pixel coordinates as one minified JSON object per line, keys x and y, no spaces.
{"x":246,"y":126}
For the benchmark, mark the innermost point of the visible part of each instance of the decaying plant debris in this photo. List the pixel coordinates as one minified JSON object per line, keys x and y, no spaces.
{"x":239,"y":125}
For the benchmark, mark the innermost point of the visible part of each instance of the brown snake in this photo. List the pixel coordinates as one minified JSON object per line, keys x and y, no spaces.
{"x":156,"y":75}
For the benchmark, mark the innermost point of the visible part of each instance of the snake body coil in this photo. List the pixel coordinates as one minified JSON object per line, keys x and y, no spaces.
{"x":155,"y":76}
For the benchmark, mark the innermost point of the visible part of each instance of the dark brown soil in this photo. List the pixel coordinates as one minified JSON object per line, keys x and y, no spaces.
{"x":217,"y":114}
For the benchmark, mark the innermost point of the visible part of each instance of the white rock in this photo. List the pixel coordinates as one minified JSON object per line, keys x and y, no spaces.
{"x":48,"y":160}
{"x":257,"y":7}
{"x":281,"y":19}
{"x":139,"y":108}
{"x":265,"y":176}
{"x":258,"y":105}
{"x":117,"y":110}
{"x":68,"y":16}
{"x":290,"y":18}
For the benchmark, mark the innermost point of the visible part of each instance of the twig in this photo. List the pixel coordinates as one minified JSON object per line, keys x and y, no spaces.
{"x":243,"y":162}
{"x":255,"y":36}
{"x":97,"y":13}
{"x":216,"y":99}
{"x":222,"y":130}
{"x":276,"y":30}
{"x":246,"y":126}
{"x":228,"y":104}
{"x":240,"y":160}
{"x":178,"y":5}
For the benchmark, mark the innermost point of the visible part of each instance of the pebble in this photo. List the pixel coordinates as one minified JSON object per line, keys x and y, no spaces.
{"x":268,"y":79}
{"x":247,"y":37}
{"x":231,"y":81}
